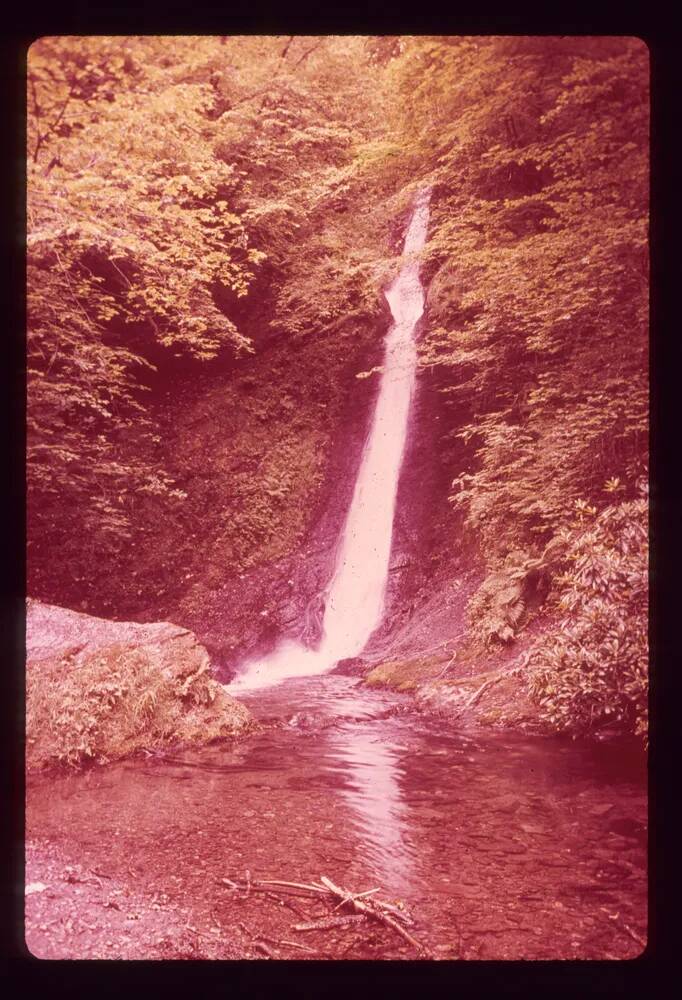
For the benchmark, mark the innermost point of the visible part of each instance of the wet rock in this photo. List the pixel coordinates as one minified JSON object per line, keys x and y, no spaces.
{"x":601,"y":809}
{"x":302,"y":720}
{"x":351,"y":666}
{"x":100,"y":690}
{"x":405,"y":675}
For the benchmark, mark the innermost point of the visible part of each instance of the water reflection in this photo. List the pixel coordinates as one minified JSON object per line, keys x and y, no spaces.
{"x":373,"y":791}
{"x":372,"y":786}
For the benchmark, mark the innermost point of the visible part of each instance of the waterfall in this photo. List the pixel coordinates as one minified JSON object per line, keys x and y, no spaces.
{"x":354,"y":598}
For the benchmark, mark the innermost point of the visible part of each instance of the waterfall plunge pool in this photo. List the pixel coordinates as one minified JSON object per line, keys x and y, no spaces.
{"x":502,"y":846}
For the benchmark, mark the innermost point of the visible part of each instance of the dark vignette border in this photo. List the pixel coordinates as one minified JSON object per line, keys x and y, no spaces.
{"x":504,"y":977}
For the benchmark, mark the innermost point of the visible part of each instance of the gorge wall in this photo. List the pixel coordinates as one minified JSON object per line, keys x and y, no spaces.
{"x":199,"y":318}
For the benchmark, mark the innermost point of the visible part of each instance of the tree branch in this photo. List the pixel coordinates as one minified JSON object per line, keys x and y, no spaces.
{"x":37,"y":112}
{"x":306,"y":54}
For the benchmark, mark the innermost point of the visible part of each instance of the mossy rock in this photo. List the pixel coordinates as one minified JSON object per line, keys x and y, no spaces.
{"x":405,"y":675}
{"x":98,"y":690}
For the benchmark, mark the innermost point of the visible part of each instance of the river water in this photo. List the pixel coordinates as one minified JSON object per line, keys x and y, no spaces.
{"x":501,"y":846}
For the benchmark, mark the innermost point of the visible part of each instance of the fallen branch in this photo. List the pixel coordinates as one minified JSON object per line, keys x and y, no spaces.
{"x":263,"y":884}
{"x":311,"y":887}
{"x":358,"y":895}
{"x":484,"y":687}
{"x":453,"y":657}
{"x":363,"y":907}
{"x":372,"y":908}
{"x":400,"y":915}
{"x":326,"y":922}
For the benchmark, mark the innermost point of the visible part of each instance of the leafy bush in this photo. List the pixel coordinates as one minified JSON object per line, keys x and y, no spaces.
{"x":593,"y":671}
{"x":499,"y":608}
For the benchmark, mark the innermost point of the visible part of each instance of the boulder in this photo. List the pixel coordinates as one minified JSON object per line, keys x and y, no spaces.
{"x":351,"y":666}
{"x":99,"y":690}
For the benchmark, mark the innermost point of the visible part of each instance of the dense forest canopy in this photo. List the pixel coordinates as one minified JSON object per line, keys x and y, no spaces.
{"x":198,"y":204}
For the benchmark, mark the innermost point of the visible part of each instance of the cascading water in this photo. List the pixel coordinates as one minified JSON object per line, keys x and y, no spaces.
{"x":355,"y":595}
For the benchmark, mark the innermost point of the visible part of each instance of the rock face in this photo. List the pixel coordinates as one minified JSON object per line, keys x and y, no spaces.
{"x":250,"y":612}
{"x":100,"y":690}
{"x":352,"y":666}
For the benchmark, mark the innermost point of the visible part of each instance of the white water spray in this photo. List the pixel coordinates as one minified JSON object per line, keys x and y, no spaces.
{"x":355,"y":595}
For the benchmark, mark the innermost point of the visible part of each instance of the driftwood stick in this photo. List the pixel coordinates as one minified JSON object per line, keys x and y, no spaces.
{"x":327,"y":882}
{"x":398,"y":914}
{"x":422,"y":949}
{"x":350,"y":897}
{"x":356,"y":895}
{"x":447,"y":666}
{"x":372,"y":910}
{"x":271,"y":886}
{"x":363,"y":907}
{"x":484,"y":687}
{"x":327,"y":922}
{"x":292,"y":885}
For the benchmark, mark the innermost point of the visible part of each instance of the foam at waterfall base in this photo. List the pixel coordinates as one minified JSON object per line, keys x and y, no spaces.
{"x":290,"y":659}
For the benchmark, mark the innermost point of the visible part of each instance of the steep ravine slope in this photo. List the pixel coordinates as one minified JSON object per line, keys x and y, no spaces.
{"x":290,"y":426}
{"x":294,"y":439}
{"x":537,"y":337}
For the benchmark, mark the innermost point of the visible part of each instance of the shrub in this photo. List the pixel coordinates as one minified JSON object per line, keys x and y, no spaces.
{"x":592,"y":672}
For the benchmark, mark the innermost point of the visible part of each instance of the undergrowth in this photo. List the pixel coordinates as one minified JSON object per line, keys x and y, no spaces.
{"x":592,"y":671}
{"x":116,"y":700}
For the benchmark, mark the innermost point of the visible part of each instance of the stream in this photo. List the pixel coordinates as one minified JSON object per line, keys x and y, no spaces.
{"x":500,"y":845}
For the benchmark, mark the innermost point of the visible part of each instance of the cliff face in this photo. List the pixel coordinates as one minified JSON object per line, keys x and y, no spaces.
{"x":267,"y":562}
{"x":249,"y":575}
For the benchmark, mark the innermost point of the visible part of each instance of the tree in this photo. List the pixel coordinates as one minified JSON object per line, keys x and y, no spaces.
{"x":171,"y":182}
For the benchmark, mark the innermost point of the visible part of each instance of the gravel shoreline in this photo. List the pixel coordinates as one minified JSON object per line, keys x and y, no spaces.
{"x":72,"y":912}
